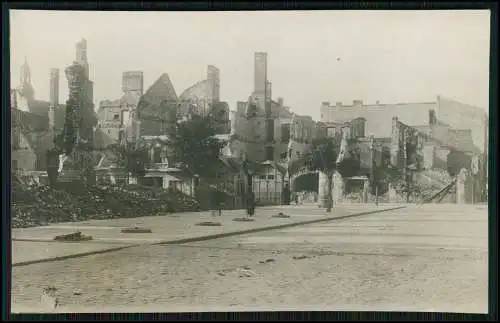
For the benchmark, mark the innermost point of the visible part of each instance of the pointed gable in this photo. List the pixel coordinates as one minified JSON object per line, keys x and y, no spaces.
{"x":157,"y":108}
{"x":161,"y":90}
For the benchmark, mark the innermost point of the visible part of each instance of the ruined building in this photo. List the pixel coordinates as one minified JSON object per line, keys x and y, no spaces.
{"x":116,"y":118}
{"x":204,"y":98}
{"x":436,"y":128}
{"x":35,"y":123}
{"x":261,"y":128}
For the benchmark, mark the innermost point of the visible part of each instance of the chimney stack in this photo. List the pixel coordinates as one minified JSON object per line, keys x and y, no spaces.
{"x":338,"y":104}
{"x":54,"y":95}
{"x":81,"y":55}
{"x":54,"y":86}
{"x":260,"y":72}
{"x":213,"y":77}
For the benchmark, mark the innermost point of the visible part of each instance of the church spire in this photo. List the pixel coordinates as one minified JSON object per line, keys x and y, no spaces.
{"x":26,"y":88}
{"x":25,"y":73}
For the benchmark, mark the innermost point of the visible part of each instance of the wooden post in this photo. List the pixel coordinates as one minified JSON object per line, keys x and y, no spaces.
{"x":376,"y":194}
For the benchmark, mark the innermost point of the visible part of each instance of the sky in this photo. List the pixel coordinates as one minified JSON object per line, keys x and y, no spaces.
{"x":313,"y":56}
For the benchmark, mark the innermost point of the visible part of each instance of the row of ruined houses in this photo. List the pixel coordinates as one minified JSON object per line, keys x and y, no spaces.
{"x":35,"y":125}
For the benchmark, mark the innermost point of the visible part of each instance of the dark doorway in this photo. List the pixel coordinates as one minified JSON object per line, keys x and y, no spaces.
{"x":307,"y":182}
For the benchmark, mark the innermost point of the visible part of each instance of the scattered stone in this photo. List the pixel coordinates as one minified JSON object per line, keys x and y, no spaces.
{"x":221,"y":273}
{"x":300,"y":257}
{"x":77,"y":292}
{"x":246,"y":267}
{"x":244,"y":219}
{"x":267,"y":261}
{"x":75,"y":236}
{"x":245,"y":272}
{"x":209,"y":224}
{"x":48,"y":297}
{"x":280,"y":215}
{"x":137,"y":230}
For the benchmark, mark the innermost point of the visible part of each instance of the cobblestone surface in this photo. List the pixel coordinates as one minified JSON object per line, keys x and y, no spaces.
{"x":440,"y":263}
{"x":31,"y":244}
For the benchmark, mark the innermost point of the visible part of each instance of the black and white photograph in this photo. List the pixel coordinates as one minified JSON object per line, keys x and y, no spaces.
{"x":231,"y":161}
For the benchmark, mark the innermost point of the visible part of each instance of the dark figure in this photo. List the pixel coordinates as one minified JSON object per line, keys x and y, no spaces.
{"x":286,"y":195}
{"x":220,"y":197}
{"x":214,"y":201}
{"x":250,"y":203}
{"x":296,"y":199}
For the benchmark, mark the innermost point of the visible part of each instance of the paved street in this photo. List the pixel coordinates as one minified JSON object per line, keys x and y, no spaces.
{"x":37,"y":244}
{"x":422,"y":258}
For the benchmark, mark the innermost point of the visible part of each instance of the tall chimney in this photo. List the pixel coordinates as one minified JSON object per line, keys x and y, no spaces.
{"x":260,"y":70}
{"x":54,"y":95}
{"x":81,"y":55}
{"x":54,"y":86}
{"x":213,"y":77}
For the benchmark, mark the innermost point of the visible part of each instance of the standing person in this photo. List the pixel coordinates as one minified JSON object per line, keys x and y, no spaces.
{"x":214,"y":205}
{"x":286,"y":195}
{"x":250,"y":203}
{"x":296,"y":197}
{"x":220,"y":201}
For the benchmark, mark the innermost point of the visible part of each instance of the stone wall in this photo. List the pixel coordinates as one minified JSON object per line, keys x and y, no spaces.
{"x":378,"y":116}
{"x":463,"y":116}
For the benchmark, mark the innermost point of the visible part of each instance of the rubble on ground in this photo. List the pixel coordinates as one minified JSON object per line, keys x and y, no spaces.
{"x":136,"y":230}
{"x":36,"y":204}
{"x":76,"y":236}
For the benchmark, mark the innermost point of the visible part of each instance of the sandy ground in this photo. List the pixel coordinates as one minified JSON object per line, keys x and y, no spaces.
{"x":37,"y":243}
{"x":417,"y":259}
